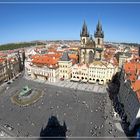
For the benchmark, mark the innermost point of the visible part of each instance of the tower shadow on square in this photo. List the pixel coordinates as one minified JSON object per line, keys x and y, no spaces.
{"x":53,"y":130}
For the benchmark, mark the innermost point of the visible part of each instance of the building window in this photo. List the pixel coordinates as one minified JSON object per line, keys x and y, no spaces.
{"x":84,"y":41}
{"x":98,"y":41}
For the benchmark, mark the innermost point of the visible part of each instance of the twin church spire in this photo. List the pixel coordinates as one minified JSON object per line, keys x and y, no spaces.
{"x":84,"y":32}
{"x":91,"y":49}
{"x":98,"y":33}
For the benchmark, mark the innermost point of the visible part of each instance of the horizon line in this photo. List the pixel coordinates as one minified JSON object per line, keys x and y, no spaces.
{"x":39,"y":40}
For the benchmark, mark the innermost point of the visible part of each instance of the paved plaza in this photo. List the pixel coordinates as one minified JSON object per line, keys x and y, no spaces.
{"x":74,"y":85}
{"x":81,"y":86}
{"x":86,"y":113}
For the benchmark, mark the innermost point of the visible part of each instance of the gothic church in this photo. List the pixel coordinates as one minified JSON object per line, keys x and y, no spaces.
{"x":91,"y":49}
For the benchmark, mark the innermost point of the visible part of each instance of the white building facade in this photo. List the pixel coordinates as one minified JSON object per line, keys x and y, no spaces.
{"x":96,"y":72}
{"x":80,"y":73}
{"x":44,"y":73}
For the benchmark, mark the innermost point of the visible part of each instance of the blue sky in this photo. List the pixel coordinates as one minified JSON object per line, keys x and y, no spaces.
{"x":26,"y":22}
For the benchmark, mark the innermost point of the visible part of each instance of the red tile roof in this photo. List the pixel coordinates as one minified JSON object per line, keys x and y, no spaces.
{"x":50,"y":60}
{"x":132,"y":70}
{"x":2,"y":60}
{"x":136,"y":85}
{"x":73,"y":56}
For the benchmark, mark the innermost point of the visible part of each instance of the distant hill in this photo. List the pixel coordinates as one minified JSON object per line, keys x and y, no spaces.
{"x":132,"y":44}
{"x":12,"y":46}
{"x":124,"y":43}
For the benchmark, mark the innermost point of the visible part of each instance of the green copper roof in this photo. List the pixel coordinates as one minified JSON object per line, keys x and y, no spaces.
{"x":24,"y":90}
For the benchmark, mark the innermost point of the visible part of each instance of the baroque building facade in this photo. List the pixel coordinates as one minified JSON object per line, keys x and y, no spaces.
{"x":128,"y":95}
{"x":45,"y":73}
{"x":9,"y":68}
{"x":65,"y":66}
{"x":3,"y":71}
{"x":97,"y":72}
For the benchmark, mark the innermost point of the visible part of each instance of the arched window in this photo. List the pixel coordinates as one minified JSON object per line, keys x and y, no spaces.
{"x":84,"y":41}
{"x":91,"y":57}
{"x":97,"y":80}
{"x":98,"y":41}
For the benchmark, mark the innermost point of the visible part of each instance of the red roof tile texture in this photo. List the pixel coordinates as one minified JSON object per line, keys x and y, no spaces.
{"x":132,"y":70}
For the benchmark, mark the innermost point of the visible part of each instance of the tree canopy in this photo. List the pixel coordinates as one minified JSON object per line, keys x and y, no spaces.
{"x":13,"y":46}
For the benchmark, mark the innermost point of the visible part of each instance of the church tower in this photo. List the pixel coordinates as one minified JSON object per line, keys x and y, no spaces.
{"x":84,"y":34}
{"x":87,"y":46}
{"x":99,"y":41}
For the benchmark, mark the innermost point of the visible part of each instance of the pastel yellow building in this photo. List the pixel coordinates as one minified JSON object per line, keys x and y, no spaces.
{"x":65,"y":66}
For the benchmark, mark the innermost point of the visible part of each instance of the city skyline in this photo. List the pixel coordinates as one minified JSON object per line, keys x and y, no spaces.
{"x":27,"y":22}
